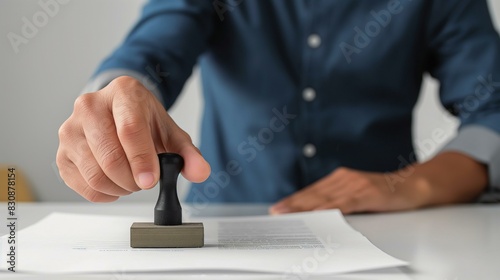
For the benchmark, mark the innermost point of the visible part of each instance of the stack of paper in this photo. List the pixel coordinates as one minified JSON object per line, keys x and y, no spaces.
{"x":314,"y":243}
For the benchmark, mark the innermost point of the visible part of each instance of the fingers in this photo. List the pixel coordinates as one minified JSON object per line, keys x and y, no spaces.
{"x":108,"y":147}
{"x":79,"y":169}
{"x":315,"y":195}
{"x":100,"y":134}
{"x":340,"y":190}
{"x":71,"y":176}
{"x":144,"y":129}
{"x":346,"y":204}
{"x":134,"y":134}
{"x":341,"y":177}
{"x":91,"y":172}
{"x":305,"y":200}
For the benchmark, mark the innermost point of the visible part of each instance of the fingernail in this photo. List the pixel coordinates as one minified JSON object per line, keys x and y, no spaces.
{"x":145,"y":180}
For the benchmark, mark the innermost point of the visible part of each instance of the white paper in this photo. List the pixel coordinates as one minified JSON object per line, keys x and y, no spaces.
{"x":312,"y":243}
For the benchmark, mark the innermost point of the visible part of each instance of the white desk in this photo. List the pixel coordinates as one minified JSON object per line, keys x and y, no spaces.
{"x":452,"y":243}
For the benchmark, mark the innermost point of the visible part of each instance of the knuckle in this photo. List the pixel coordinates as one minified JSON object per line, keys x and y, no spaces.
{"x":187,"y":137}
{"x":107,"y":124}
{"x":139,"y":94}
{"x":124,"y":84}
{"x":342,"y":171}
{"x":84,"y":102}
{"x":82,"y":151}
{"x":126,"y":81}
{"x":64,"y":131}
{"x":61,"y":160}
{"x":181,"y":140}
{"x":132,"y":126}
{"x":95,"y":178}
{"x":112,"y":157}
{"x":141,"y":159}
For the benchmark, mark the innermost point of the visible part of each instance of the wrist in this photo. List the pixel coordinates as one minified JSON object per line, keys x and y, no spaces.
{"x":420,"y":186}
{"x":414,"y":187}
{"x":449,"y":177}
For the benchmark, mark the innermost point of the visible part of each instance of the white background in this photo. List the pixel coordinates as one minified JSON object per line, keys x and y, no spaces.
{"x":39,"y":84}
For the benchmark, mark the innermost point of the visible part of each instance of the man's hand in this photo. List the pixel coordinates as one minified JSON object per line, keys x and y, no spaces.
{"x":109,"y":145}
{"x":448,"y":178}
{"x":348,"y":190}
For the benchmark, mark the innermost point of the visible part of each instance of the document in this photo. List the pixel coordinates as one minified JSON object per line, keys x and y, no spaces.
{"x":312,"y":243}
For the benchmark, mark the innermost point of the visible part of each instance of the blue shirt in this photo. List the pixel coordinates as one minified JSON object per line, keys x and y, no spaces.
{"x":295,"y":89}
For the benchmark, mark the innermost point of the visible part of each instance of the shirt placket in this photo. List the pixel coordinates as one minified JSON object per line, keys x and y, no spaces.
{"x":312,"y":42}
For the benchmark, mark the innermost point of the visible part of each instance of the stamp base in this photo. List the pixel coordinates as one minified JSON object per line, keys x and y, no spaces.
{"x":149,"y":235}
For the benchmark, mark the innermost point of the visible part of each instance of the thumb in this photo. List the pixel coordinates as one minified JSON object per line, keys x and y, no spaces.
{"x":175,"y":140}
{"x":196,"y":168}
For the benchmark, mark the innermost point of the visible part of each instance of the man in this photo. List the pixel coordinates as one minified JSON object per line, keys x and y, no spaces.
{"x":308,"y":104}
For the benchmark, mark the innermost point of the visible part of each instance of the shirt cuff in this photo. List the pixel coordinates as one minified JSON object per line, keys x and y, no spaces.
{"x":483,"y":145}
{"x":104,"y":78}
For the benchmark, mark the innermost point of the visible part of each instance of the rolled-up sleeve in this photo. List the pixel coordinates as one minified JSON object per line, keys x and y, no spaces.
{"x":162,"y":48}
{"x":482,"y":144}
{"x":464,"y":55}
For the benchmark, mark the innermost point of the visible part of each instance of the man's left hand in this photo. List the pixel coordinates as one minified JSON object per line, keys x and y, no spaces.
{"x":448,"y":178}
{"x":348,"y":190}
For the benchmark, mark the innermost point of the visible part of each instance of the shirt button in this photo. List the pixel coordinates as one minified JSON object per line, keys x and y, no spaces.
{"x":314,"y":41}
{"x":309,"y":150}
{"x":309,"y":94}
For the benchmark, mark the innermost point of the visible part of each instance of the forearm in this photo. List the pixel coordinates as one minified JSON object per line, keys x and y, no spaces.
{"x":450,"y":177}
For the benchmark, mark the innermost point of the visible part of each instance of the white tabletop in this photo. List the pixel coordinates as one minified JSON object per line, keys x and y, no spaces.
{"x":450,"y":243}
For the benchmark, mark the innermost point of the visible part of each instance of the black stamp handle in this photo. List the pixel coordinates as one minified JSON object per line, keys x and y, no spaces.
{"x":168,"y":211}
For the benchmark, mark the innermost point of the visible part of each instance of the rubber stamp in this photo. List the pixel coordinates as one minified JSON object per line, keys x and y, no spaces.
{"x":168,"y":230}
